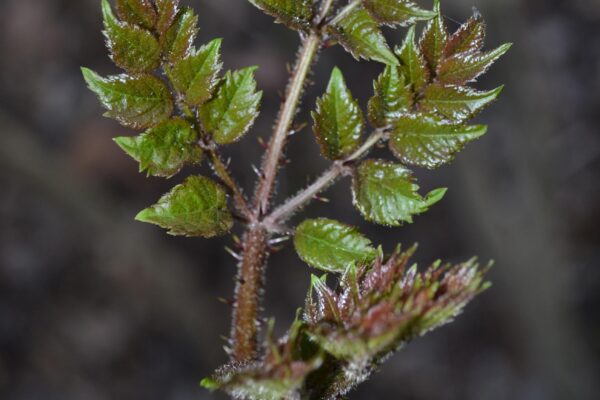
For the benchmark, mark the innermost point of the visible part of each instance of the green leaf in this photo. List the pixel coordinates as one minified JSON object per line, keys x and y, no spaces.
{"x":466,"y":67}
{"x":428,"y":142}
{"x":167,"y":11}
{"x":196,"y":75}
{"x":413,"y":63}
{"x":397,"y":12}
{"x":138,"y":102}
{"x":391,"y":99}
{"x":385,"y":193}
{"x":177,"y":42}
{"x":131,"y":47}
{"x":434,"y":38}
{"x":338,"y":120}
{"x":331,"y":246}
{"x":456,"y":103}
{"x":137,"y":12}
{"x":295,"y":14}
{"x":360,"y":35}
{"x":469,"y":38}
{"x":164,"y":149}
{"x":197,"y":207}
{"x":229,"y":115}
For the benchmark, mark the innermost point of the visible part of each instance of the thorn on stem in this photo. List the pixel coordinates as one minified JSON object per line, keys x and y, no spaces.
{"x":233,"y":253}
{"x":321,"y":199}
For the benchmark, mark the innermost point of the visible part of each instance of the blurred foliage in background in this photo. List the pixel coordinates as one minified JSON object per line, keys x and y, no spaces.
{"x":96,"y":306}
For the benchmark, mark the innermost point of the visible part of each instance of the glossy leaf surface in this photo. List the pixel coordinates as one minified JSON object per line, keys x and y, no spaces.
{"x":138,"y":12}
{"x":167,"y":12}
{"x":296,"y":14}
{"x":397,"y":12}
{"x":332,"y":246}
{"x":229,"y":115}
{"x":413,"y":64}
{"x":338,"y":120}
{"x":466,"y":67}
{"x":391,"y":99}
{"x":132,"y":48}
{"x":360,"y":35}
{"x":428,"y":142}
{"x":164,"y":149}
{"x":456,"y":103}
{"x":178,"y":40}
{"x":469,"y":38}
{"x":433,"y":40}
{"x":197,"y":207}
{"x":386,"y":193}
{"x":139,"y":102}
{"x":196,"y":75}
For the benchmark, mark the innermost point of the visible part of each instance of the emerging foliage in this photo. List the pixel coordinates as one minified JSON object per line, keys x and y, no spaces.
{"x":293,"y":13}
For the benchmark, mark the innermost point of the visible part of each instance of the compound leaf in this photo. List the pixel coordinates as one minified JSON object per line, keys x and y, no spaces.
{"x":360,"y":35}
{"x":164,"y":149}
{"x":232,"y":111}
{"x":391,"y":99}
{"x":434,"y":38}
{"x":296,"y":14}
{"x":178,"y":39}
{"x":138,"y":12}
{"x":132,"y":48}
{"x":197,"y":207}
{"x":332,"y":246}
{"x":456,"y":103}
{"x":385,"y":193}
{"x":196,"y":75}
{"x":469,"y":38}
{"x":428,"y":142}
{"x":413,"y":63}
{"x":397,"y":12}
{"x":338,"y":120}
{"x":138,"y":102}
{"x":466,"y":67}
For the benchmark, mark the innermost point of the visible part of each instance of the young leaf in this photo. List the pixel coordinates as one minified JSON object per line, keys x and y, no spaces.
{"x":456,"y":103}
{"x":331,"y":246}
{"x":167,"y":11}
{"x":197,"y":207}
{"x":164,"y":149}
{"x":469,"y":38}
{"x":131,"y":47}
{"x":178,"y":40}
{"x":359,"y":33}
{"x":434,"y":38}
{"x":385,"y":193}
{"x":428,"y":142}
{"x":397,"y":12}
{"x":138,"y":12}
{"x":196,"y":75}
{"x":413,"y":63}
{"x":338,"y":120}
{"x":466,"y":67}
{"x":392,"y":97}
{"x":296,"y":14}
{"x":229,"y":115}
{"x":138,"y":102}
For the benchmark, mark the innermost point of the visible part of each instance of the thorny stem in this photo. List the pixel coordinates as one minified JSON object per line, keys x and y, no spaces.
{"x":340,"y":167}
{"x":222,"y":172}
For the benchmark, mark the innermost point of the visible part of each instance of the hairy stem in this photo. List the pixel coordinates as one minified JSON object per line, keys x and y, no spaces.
{"x":285,"y":211}
{"x":222,"y":172}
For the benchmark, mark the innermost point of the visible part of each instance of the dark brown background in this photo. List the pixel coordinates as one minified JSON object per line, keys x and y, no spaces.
{"x":95,"y":306}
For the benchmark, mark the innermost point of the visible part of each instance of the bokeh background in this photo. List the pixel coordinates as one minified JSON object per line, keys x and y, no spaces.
{"x":95,"y":306}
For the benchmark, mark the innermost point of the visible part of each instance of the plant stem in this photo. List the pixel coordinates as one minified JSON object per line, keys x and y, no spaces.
{"x":250,"y":280}
{"x":222,"y":172}
{"x":285,"y":211}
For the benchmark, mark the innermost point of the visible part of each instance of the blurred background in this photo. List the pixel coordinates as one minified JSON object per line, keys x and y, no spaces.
{"x":96,"y":306}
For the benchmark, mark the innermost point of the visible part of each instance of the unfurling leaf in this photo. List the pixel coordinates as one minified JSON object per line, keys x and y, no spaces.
{"x":138,"y":102}
{"x":167,"y":11}
{"x":164,"y":149}
{"x":332,"y":246}
{"x":391,"y":99}
{"x":456,"y":103}
{"x":434,"y":38}
{"x":232,"y":111}
{"x":469,"y":38}
{"x":132,"y":48}
{"x":177,"y":42}
{"x":397,"y":12}
{"x":138,"y":12}
{"x":385,"y":193}
{"x":296,"y":14}
{"x":413,"y":64}
{"x":429,"y":142}
{"x":196,"y":75}
{"x":338,"y":120}
{"x":360,"y":35}
{"x":197,"y":207}
{"x":466,"y":67}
